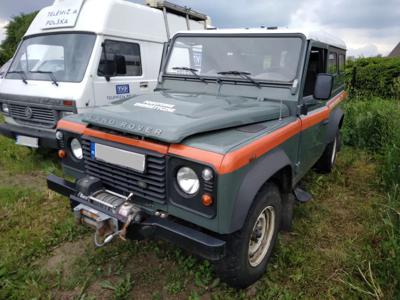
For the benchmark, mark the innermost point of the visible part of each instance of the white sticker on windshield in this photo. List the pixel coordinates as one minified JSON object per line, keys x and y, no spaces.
{"x":156,"y":106}
{"x":64,"y":13}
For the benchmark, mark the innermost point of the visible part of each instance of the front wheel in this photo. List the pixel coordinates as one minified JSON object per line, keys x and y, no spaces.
{"x":249,"y":249}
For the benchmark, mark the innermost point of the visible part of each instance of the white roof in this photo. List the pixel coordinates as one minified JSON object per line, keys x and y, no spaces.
{"x":115,"y":18}
{"x":319,"y":36}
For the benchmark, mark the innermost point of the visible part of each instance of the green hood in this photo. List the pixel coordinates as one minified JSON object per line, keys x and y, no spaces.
{"x":173,"y":117}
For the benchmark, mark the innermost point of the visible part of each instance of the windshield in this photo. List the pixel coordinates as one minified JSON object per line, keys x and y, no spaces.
{"x":263,"y":58}
{"x":65,"y":55}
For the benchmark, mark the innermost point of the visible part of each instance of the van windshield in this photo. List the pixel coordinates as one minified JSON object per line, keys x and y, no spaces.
{"x":64,"y":55}
{"x":273,"y":59}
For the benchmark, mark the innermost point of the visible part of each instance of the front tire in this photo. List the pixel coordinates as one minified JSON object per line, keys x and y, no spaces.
{"x":249,"y":250}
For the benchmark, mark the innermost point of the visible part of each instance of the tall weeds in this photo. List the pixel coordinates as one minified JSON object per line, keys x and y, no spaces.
{"x":373,"y":124}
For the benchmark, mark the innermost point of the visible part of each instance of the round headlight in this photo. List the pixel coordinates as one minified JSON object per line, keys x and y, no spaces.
{"x":76,"y":149}
{"x":188,"y":180}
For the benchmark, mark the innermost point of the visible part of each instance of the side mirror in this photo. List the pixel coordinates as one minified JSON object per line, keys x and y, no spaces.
{"x":109,"y":69}
{"x":323,"y":86}
{"x":120,"y":64}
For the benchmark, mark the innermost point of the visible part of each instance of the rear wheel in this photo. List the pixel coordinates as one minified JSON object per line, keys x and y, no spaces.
{"x":249,"y":249}
{"x":328,"y":159}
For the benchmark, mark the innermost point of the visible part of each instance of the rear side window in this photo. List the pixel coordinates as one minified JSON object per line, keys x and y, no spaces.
{"x":332,"y":63}
{"x":131,"y":53}
{"x":341,"y":63}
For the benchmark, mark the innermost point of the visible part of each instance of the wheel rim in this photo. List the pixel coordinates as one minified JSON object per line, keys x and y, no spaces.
{"x":333,"y":152}
{"x":261,"y":236}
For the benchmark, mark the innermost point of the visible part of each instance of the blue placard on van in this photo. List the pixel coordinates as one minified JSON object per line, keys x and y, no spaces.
{"x":122,"y":89}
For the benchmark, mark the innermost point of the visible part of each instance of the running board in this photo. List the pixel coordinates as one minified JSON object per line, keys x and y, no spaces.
{"x":302,"y":195}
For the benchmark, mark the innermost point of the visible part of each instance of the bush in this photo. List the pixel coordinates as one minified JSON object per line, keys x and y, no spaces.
{"x":370,"y":124}
{"x":375,"y":76}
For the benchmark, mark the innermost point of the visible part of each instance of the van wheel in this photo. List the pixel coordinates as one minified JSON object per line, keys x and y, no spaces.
{"x":249,"y":249}
{"x":328,"y":159}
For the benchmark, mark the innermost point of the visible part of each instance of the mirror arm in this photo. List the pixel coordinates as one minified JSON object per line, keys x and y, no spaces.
{"x":106,"y":76}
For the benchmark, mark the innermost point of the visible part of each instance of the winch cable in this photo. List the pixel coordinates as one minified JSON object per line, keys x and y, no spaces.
{"x":109,"y":238}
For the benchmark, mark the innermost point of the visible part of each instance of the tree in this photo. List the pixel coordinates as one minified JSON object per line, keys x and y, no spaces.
{"x":15,"y":30}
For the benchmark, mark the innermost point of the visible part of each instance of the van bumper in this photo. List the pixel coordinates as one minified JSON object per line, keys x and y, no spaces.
{"x":47,"y":139}
{"x":152,"y":227}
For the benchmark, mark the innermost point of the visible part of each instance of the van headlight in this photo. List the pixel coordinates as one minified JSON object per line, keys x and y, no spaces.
{"x":76,"y":149}
{"x":5,"y":109}
{"x":188,"y":180}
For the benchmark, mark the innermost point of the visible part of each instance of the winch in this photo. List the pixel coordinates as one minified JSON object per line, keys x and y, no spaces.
{"x":105,"y":210}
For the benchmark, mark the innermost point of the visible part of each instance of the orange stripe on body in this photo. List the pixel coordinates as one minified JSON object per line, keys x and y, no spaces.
{"x":82,"y":129}
{"x":127,"y":141}
{"x":71,"y":126}
{"x":211,"y":158}
{"x":223,"y":164}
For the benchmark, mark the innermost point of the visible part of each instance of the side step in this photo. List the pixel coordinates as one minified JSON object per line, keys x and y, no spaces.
{"x":301,"y":195}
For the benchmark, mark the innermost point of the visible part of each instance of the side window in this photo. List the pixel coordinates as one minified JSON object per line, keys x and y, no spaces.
{"x":316,"y":65}
{"x":332,"y":63}
{"x":114,"y":49}
{"x":341,"y":63}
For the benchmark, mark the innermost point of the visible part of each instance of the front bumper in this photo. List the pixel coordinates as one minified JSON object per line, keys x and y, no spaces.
{"x":193,"y":240}
{"x":47,"y":139}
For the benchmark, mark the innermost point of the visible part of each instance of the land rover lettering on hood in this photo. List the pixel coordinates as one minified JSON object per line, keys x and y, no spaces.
{"x":212,"y":159}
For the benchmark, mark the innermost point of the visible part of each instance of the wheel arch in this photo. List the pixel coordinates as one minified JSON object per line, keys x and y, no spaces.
{"x":336,"y":119}
{"x":275,"y":166}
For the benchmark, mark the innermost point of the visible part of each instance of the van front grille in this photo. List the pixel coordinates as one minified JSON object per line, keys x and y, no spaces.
{"x":150,"y":185}
{"x":33,"y":115}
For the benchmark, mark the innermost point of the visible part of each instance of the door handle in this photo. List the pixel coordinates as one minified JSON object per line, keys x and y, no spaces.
{"x":144,"y":85}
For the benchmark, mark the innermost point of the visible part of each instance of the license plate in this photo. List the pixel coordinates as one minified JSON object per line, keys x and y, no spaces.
{"x":27,"y":141}
{"x":119,"y":157}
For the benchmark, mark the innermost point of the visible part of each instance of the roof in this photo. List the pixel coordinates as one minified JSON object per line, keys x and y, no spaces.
{"x":116,"y":18}
{"x":395,"y":52}
{"x":319,"y":36}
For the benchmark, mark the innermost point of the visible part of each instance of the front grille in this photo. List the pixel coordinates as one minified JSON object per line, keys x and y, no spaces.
{"x":150,"y":185}
{"x":37,"y":116}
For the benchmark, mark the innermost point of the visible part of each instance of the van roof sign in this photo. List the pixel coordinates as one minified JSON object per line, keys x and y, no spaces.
{"x":62,"y":14}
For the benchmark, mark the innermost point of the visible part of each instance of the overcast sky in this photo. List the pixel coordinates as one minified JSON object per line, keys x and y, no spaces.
{"x":369,"y":27}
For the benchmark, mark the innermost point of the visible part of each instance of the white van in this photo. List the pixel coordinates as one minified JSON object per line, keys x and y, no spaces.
{"x":80,"y":54}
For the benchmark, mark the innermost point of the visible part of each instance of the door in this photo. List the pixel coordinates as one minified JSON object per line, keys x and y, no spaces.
{"x":126,"y":81}
{"x":315,"y":121}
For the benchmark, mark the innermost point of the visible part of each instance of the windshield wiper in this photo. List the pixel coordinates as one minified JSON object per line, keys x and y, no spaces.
{"x":245,"y":75}
{"x":21,"y":73}
{"x":51,"y":75}
{"x":191,"y":70}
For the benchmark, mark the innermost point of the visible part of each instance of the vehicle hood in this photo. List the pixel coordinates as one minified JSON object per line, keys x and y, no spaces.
{"x":171,"y":117}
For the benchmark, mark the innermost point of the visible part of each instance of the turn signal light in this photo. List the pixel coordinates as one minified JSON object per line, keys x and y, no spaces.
{"x":68,"y":103}
{"x":206,"y":200}
{"x":61,"y":153}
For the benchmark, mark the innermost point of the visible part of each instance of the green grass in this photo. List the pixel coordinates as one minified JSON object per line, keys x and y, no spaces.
{"x":331,"y":252}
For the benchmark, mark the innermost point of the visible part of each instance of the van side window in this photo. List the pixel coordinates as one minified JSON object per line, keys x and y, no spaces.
{"x":342,"y":61}
{"x":332,"y":63}
{"x":114,"y":49}
{"x":316,"y":64}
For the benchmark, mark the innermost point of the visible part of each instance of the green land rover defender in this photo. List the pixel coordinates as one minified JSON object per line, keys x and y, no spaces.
{"x":212,"y":159}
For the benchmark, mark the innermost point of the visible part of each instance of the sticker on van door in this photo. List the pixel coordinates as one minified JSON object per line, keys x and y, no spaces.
{"x":122,"y":89}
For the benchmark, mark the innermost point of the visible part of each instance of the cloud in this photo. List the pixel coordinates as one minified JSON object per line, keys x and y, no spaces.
{"x":11,"y":8}
{"x":3,"y":24}
{"x":361,"y":23}
{"x":368,"y":50}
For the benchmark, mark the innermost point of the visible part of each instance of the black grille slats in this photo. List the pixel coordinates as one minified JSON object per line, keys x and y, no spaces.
{"x":150,"y":185}
{"x":39,"y":116}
